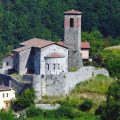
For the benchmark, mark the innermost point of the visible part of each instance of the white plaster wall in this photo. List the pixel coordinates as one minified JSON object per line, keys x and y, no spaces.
{"x":11,"y":95}
{"x":5,"y":67}
{"x":85,"y":54}
{"x":58,"y":68}
{"x":51,"y":49}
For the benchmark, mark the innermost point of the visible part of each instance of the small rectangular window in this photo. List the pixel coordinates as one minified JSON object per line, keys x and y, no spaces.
{"x":3,"y":95}
{"x":53,"y":66}
{"x":58,"y":66}
{"x":48,"y":67}
{"x":71,"y":22}
{"x":7,"y":63}
{"x":7,"y":95}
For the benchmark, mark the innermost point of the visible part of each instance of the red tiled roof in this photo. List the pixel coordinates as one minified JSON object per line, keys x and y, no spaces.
{"x":84,"y":45}
{"x":35,"y":42}
{"x":40,"y":43}
{"x":55,"y":55}
{"x":72,"y":12}
{"x":21,"y":48}
{"x":60,"y":43}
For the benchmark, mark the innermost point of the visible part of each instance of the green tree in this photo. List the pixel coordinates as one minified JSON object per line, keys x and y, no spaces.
{"x":24,"y":100}
{"x":111,"y":109}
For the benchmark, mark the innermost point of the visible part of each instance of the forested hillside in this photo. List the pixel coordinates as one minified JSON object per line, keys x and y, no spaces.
{"x":24,"y":19}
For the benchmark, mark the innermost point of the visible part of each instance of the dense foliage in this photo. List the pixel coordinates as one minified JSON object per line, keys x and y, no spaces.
{"x":111,"y":109}
{"x":111,"y":59}
{"x":24,"y":100}
{"x":6,"y":115}
{"x":24,"y":19}
{"x":86,"y":105}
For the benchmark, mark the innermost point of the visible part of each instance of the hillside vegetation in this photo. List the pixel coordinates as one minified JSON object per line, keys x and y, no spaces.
{"x":80,"y":104}
{"x":111,"y":60}
{"x":93,"y":90}
{"x":21,"y":20}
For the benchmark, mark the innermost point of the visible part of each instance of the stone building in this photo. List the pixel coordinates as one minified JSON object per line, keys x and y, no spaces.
{"x":43,"y":57}
{"x":49,"y":62}
{"x":40,"y":57}
{"x":7,"y":64}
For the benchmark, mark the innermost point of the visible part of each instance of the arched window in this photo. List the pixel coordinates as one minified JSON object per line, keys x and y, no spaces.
{"x":71,"y":22}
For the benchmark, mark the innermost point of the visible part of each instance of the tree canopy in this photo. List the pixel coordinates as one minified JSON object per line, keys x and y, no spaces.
{"x":24,"y":19}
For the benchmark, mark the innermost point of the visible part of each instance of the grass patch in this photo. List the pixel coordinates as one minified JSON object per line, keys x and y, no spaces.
{"x":83,"y":116}
{"x":98,"y":84}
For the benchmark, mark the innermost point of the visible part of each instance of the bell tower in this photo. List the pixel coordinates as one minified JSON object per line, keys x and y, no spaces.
{"x":72,"y":38}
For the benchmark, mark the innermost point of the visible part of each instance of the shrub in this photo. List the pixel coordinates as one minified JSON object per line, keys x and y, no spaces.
{"x":111,"y":59}
{"x":73,"y":69}
{"x":111,"y":109}
{"x":99,"y":110}
{"x":24,"y":100}
{"x":66,"y":112}
{"x":33,"y":111}
{"x":6,"y":115}
{"x":86,"y":105}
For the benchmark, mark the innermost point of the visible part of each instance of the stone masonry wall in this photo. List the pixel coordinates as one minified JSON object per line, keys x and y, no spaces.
{"x":72,"y":40}
{"x":62,"y":84}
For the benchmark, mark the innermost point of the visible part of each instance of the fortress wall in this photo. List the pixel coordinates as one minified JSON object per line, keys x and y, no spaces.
{"x":62,"y":84}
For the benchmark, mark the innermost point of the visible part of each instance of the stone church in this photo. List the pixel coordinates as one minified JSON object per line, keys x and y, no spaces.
{"x":43,"y":57}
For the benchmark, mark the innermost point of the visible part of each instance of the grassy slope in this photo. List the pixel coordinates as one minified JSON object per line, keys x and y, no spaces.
{"x":93,"y":89}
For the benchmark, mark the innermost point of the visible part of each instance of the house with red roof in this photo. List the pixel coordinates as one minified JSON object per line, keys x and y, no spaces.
{"x":44,"y":57}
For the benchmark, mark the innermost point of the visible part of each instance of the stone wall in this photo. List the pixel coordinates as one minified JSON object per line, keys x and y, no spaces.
{"x":102,"y":71}
{"x":23,"y":61}
{"x":62,"y":84}
{"x":47,"y":106}
{"x":55,"y":85}
{"x":37,"y":85}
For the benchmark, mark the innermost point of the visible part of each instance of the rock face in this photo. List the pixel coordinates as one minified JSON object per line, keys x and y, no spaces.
{"x":57,"y":85}
{"x":72,"y":39}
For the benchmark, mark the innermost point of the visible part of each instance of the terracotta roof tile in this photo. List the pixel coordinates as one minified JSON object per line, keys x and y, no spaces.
{"x":60,"y":43}
{"x":21,"y":48}
{"x":40,"y":43}
{"x":72,"y":12}
{"x":55,"y":55}
{"x":84,"y":45}
{"x":35,"y":42}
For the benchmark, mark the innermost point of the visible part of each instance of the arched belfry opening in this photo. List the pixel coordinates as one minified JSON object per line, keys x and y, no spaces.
{"x":71,"y":22}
